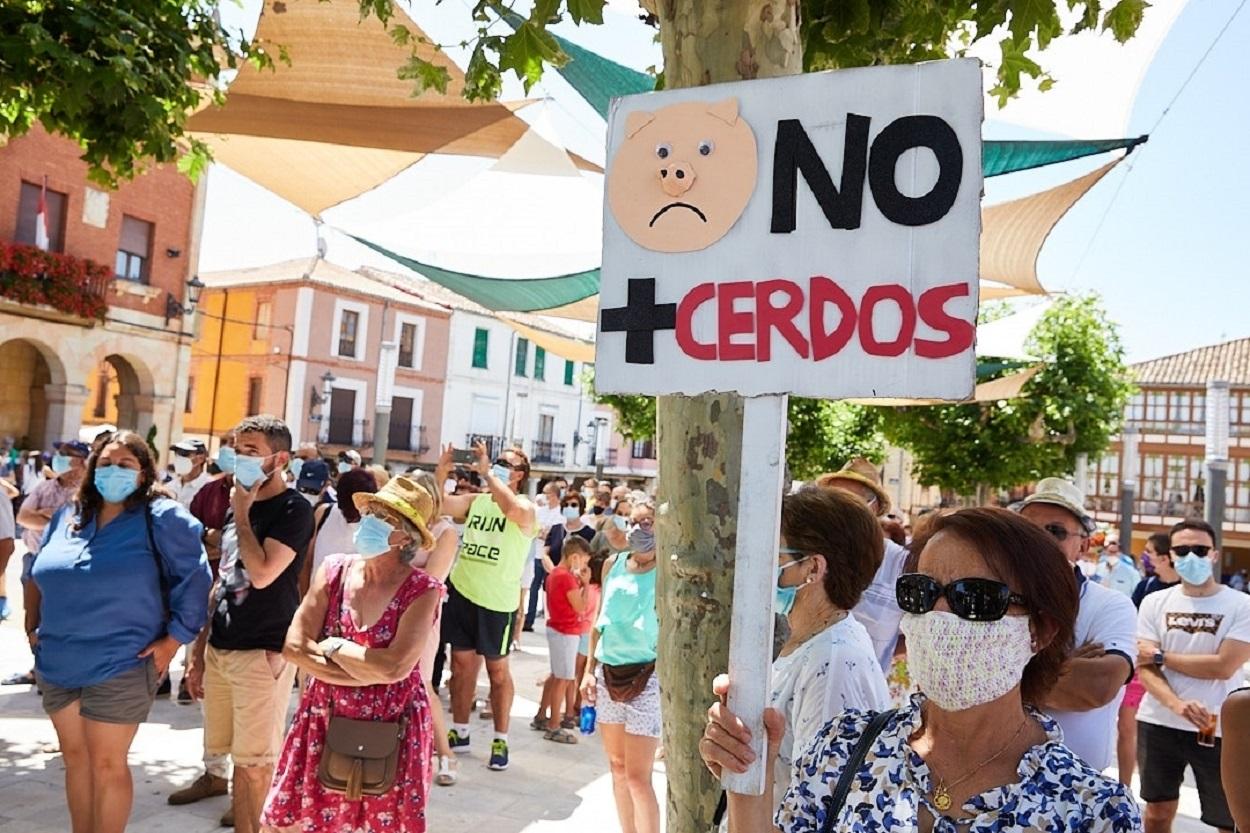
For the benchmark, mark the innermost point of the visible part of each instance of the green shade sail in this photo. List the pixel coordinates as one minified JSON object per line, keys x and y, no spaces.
{"x":599,"y":80}
{"x":503,"y":294}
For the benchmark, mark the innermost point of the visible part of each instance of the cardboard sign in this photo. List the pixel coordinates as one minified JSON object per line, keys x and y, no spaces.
{"x":815,"y":234}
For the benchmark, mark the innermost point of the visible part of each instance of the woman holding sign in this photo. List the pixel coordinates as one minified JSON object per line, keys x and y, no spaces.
{"x":990,"y":611}
{"x":620,"y":676}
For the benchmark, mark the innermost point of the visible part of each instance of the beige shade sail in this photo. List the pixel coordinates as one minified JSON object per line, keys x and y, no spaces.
{"x":567,"y":348}
{"x":995,"y":390}
{"x":1012,"y":234}
{"x":337,"y":121}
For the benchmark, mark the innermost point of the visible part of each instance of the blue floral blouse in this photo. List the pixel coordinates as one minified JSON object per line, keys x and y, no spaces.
{"x":1057,"y":791}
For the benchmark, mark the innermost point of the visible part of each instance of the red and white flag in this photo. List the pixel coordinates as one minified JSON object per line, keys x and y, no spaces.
{"x":41,"y":218}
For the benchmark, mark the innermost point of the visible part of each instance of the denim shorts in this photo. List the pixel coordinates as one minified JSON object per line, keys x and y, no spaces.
{"x":123,"y":698}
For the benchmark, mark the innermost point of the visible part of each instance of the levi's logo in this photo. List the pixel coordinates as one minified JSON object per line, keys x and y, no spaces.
{"x":1195,"y":622}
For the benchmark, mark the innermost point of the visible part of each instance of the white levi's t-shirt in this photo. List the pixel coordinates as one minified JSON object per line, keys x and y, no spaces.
{"x":1107,"y":617}
{"x":833,"y":671}
{"x":878,"y":609}
{"x":1192,"y":625}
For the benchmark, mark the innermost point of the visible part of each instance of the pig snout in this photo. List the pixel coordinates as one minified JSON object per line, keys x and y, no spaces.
{"x":676,"y":178}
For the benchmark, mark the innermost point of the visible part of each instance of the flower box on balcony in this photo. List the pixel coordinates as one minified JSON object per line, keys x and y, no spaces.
{"x":72,"y":285}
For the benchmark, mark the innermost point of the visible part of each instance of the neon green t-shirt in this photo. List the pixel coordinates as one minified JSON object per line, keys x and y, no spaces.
{"x":492,"y":557}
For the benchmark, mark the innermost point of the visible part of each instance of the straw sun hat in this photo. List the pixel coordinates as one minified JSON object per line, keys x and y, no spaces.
{"x":863,"y":472}
{"x":405,"y":496}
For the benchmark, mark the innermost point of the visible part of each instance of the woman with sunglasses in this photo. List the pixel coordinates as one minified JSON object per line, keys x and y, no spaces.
{"x":989,"y":610}
{"x":620,"y":679}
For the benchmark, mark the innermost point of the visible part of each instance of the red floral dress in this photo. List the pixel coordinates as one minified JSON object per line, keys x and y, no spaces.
{"x":297,"y":800}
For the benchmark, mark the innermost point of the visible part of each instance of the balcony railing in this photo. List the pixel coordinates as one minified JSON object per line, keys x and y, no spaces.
{"x":73,"y":285}
{"x":347,"y":431}
{"x":551,"y":454}
{"x":495,"y":445}
{"x":608,"y":458}
{"x":401,"y":438}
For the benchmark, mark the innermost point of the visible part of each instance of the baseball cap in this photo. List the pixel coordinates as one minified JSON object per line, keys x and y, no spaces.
{"x":190,"y":445}
{"x":313,"y":475}
{"x":350,"y":456}
{"x":1059,"y":492}
{"x":74,"y":448}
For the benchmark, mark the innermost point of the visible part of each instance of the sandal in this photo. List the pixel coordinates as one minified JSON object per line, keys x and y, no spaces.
{"x":446,"y":776}
{"x":570,"y":723}
{"x":486,"y":713}
{"x":560,"y":736}
{"x":539,"y":723}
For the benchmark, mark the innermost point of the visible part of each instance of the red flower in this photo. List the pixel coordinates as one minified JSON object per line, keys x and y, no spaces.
{"x":70,"y":284}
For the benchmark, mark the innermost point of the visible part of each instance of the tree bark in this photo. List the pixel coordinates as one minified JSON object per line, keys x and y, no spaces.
{"x":700,"y":438}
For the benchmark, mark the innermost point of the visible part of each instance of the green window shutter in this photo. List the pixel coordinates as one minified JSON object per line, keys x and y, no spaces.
{"x":481,"y":339}
{"x":522,"y":355}
{"x":540,"y":363}
{"x":568,"y":371}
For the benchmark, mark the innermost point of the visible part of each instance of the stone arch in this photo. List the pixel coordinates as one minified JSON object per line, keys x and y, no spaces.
{"x":30,"y":370}
{"x":122,"y":389}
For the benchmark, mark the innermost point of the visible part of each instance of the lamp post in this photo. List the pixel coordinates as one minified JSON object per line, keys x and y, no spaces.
{"x":327,"y":388}
{"x":1128,"y":484}
{"x":596,"y":425}
{"x":388,"y":361}
{"x":1216,"y":452}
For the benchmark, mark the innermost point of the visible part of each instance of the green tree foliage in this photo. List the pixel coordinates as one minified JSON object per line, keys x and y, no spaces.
{"x":1072,"y":406}
{"x":121,"y":79}
{"x":823,"y":435}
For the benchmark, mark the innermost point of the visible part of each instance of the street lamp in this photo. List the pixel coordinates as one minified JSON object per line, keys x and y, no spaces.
{"x":1129,"y":439}
{"x":173,"y":309}
{"x":327,"y":389}
{"x":1216,"y":452}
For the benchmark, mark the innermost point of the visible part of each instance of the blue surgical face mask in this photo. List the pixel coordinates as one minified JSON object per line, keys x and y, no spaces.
{"x":570,"y":512}
{"x":501,"y":473}
{"x":786,"y":595}
{"x":249,"y":470}
{"x":294,"y":466}
{"x":226,"y":459}
{"x":372,"y":536}
{"x":60,"y":463}
{"x":622,"y":522}
{"x":344,"y":467}
{"x":1193,"y":568}
{"x":115,"y":483}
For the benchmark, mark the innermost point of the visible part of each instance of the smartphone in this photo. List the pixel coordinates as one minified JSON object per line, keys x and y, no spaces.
{"x":464,"y":456}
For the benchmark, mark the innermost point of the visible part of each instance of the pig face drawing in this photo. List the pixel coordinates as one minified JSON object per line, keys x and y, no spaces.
{"x":682,"y":175}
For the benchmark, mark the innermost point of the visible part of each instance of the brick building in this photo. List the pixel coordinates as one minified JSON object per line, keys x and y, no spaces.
{"x":93,"y":331}
{"x":1169,"y":413}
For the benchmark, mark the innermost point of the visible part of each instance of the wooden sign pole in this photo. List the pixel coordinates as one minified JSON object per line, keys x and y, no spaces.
{"x":755,"y":577}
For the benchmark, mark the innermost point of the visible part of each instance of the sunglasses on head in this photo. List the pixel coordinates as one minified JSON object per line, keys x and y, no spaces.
{"x":974,"y":599}
{"x":1197,"y":549}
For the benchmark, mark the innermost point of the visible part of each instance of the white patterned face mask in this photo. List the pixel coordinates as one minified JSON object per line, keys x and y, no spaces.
{"x":958,"y":663}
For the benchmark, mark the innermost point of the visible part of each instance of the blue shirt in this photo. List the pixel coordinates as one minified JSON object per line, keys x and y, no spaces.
{"x":101,"y":591}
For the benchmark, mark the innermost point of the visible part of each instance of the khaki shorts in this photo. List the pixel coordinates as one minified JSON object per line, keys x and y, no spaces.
{"x":125,"y":698}
{"x":246,"y":694}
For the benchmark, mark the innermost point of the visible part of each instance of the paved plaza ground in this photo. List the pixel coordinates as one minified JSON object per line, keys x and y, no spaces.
{"x":549,"y":788}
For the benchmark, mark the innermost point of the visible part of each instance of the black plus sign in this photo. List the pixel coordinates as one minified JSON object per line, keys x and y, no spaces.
{"x":639,"y":319}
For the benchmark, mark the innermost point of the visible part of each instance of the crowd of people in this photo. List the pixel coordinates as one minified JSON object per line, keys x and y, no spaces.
{"x":1028,"y":653}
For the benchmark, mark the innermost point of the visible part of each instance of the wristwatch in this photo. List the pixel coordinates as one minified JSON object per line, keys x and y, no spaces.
{"x":1158,"y":659}
{"x":332,"y":648}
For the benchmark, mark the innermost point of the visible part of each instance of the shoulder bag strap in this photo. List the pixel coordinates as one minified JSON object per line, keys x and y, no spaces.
{"x":851,"y":769}
{"x":156,"y":553}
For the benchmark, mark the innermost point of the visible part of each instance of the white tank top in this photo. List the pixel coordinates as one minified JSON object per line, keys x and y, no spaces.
{"x":336,"y":536}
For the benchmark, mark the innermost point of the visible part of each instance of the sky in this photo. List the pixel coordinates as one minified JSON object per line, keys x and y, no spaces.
{"x":1161,"y":238}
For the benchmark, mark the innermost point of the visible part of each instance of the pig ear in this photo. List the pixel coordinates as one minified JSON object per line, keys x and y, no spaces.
{"x":726,"y":111}
{"x":636,"y":121}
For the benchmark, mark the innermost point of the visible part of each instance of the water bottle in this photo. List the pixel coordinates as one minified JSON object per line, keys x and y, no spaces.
{"x":588,"y":719}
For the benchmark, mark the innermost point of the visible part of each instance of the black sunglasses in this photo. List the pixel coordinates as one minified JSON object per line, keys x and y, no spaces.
{"x":1060,"y":532}
{"x":502,"y":462}
{"x":974,"y":599}
{"x":1197,"y":549}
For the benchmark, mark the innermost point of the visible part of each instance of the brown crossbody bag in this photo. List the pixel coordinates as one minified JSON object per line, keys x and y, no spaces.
{"x":360,"y":757}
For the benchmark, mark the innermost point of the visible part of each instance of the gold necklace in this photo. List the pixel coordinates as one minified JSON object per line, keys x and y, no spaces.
{"x":825,"y":622}
{"x":942,"y":795}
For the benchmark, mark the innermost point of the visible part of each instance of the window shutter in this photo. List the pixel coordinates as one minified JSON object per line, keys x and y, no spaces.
{"x":481,"y":340}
